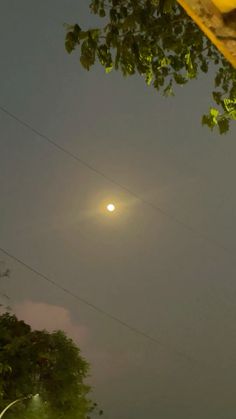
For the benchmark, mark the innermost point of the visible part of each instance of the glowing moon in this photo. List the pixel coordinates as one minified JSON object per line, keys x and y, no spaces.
{"x":111,"y":207}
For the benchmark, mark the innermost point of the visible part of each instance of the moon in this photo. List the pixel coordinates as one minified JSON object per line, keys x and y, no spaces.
{"x":111,"y":207}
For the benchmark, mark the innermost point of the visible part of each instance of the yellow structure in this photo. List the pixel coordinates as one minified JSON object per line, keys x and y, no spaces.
{"x":225,"y":6}
{"x":226,"y":46}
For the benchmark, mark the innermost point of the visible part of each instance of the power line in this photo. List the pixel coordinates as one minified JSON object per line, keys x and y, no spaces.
{"x":90,"y":167}
{"x":100,"y":310}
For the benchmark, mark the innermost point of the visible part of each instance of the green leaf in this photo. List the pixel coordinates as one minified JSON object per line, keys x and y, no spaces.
{"x":190,"y":67}
{"x":233,"y":114}
{"x":109,"y":68}
{"x":70,"y":42}
{"x":87,"y":57}
{"x":204,"y":67}
{"x":223,"y":124}
{"x":230,"y":104}
{"x":207,"y":120}
{"x":77,"y":30}
{"x":217,"y":97}
{"x":214,"y":114}
{"x":94,"y":34}
{"x":168,"y":91}
{"x":165,"y":62}
{"x":218,"y":79}
{"x":180,"y":79}
{"x":149,"y":76}
{"x":83,"y":35}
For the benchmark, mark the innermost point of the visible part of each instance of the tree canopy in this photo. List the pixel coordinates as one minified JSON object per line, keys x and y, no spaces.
{"x":46,"y":363}
{"x":158,"y":40}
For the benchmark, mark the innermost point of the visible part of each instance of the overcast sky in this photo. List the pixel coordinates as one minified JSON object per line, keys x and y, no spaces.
{"x":168,"y":273}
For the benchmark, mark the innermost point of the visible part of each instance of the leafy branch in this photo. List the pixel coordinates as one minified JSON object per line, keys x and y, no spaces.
{"x":158,"y":40}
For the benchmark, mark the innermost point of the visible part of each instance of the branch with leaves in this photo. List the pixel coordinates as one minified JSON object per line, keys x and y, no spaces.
{"x":158,"y":40}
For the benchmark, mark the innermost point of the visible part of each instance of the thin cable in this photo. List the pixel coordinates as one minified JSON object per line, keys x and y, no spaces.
{"x":100,"y":310}
{"x":77,"y":159}
{"x":121,"y":186}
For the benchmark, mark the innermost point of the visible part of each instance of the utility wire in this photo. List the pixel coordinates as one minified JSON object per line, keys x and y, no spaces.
{"x":100,"y":310}
{"x":90,"y":167}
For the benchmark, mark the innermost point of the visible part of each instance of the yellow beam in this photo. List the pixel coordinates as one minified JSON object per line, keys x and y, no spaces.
{"x":216,"y":41}
{"x":225,"y":6}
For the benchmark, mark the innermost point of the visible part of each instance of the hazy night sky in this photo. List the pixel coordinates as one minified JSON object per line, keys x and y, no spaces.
{"x":141,"y":266}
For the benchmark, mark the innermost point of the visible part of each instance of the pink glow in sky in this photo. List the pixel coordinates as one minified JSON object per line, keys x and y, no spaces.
{"x":51,"y":317}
